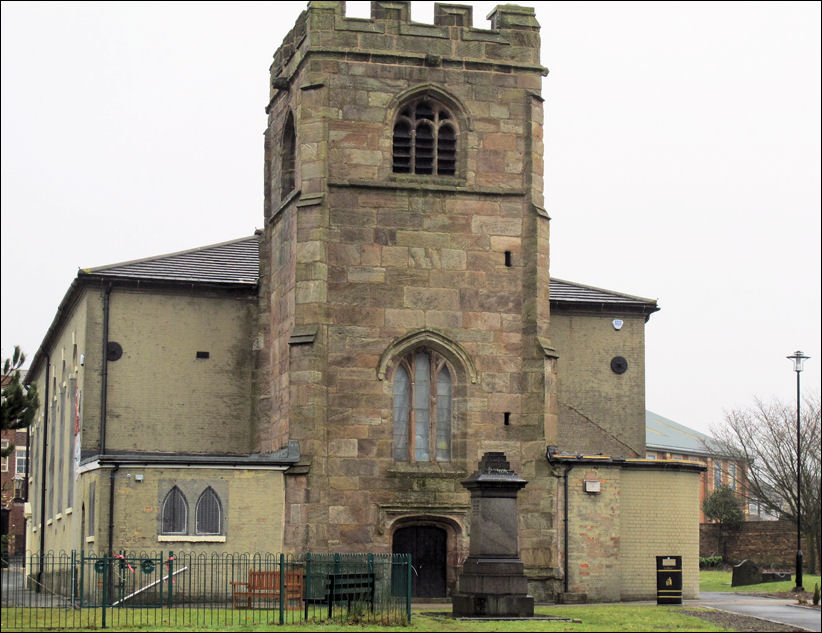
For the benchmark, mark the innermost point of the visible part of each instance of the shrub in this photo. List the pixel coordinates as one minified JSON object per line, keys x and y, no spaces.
{"x":710,"y":562}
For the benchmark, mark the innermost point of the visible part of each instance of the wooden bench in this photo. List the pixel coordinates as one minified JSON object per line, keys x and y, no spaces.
{"x":265,"y":585}
{"x":348,"y":588}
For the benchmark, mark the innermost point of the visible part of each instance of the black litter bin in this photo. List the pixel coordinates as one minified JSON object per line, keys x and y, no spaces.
{"x":669,"y":579}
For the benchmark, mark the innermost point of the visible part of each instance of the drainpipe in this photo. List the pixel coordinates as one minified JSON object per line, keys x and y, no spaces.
{"x":112,"y":477}
{"x":565,"y":521}
{"x":43,"y":476}
{"x":104,"y":370}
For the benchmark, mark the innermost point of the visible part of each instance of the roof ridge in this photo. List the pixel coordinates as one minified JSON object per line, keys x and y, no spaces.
{"x":99,"y":269}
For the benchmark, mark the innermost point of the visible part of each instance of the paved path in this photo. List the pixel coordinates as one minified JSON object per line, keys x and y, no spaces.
{"x":783,"y":611}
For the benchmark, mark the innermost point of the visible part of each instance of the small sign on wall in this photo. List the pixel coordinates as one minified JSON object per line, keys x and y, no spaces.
{"x":592,"y":485}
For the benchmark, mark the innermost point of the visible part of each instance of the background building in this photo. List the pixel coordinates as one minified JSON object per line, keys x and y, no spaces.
{"x":13,"y":489}
{"x":666,"y":439}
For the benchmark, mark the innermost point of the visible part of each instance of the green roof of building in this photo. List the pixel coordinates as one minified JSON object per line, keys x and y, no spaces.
{"x":664,"y":434}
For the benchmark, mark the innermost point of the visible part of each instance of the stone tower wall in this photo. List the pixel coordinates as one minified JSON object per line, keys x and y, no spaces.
{"x":360,"y":264}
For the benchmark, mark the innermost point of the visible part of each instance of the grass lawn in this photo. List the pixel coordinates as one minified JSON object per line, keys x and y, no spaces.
{"x":596,"y":617}
{"x":721,"y":581}
{"x":611,"y":617}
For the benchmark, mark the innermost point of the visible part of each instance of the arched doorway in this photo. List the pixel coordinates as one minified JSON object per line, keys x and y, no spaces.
{"x":427,"y":545}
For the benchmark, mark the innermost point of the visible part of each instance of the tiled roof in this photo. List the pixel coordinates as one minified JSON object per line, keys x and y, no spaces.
{"x":237,"y":262}
{"x":570,"y":292}
{"x":662,"y":433}
{"x":234,"y":262}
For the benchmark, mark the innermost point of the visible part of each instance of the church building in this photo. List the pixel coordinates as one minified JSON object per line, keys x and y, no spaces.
{"x":326,"y":384}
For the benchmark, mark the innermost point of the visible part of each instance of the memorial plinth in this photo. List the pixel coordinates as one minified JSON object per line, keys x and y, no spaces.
{"x":492,"y":581}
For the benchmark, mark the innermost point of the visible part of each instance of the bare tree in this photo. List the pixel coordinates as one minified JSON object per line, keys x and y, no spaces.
{"x":764,"y":435}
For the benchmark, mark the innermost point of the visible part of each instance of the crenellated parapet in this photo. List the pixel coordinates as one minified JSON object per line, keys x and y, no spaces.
{"x":389,"y":36}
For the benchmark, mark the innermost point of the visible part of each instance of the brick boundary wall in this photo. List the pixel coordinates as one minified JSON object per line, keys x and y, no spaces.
{"x":770,"y":544}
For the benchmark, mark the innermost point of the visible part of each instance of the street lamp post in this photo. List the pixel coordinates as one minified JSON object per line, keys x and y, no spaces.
{"x":798,"y":359}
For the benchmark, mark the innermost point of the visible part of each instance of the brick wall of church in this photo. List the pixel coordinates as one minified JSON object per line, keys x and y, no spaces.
{"x":600,"y":411}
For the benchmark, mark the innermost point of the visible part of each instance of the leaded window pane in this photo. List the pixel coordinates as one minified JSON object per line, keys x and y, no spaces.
{"x":208,"y":513}
{"x":443,"y":415}
{"x":402,"y":399}
{"x":175,"y":510}
{"x":422,"y":406}
{"x":92,"y":506}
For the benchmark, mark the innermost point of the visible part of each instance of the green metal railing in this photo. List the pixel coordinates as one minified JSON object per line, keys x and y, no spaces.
{"x":88,"y":590}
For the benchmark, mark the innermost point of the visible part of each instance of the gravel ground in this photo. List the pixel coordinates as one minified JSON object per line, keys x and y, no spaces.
{"x":737,"y":622}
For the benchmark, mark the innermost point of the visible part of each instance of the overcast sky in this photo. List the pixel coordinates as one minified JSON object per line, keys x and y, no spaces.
{"x":682,"y":164}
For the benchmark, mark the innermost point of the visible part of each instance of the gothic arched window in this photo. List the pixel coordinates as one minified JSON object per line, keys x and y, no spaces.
{"x":425,"y":139}
{"x":209,"y":515}
{"x":175,"y":512}
{"x":422,"y":408}
{"x":288,"y":152}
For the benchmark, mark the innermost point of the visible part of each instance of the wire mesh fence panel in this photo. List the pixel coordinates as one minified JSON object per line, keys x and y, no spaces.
{"x":161,"y":588}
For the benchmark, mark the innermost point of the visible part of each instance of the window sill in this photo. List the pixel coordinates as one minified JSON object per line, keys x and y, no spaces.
{"x":89,"y":539}
{"x":58,"y":516}
{"x":426,"y":469}
{"x":191,"y":538}
{"x":68,"y":511}
{"x":50,"y":521}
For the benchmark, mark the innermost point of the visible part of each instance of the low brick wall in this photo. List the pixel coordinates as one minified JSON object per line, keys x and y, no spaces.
{"x":770,"y":544}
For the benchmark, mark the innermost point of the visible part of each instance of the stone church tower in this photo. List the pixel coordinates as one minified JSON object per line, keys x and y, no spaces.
{"x":404,"y":316}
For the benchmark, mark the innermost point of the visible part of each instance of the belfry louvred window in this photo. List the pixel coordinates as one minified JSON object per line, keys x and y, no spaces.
{"x":422,"y":408}
{"x":425,"y":139}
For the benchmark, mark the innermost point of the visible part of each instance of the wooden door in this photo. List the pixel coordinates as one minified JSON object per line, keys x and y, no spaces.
{"x":428,"y":546}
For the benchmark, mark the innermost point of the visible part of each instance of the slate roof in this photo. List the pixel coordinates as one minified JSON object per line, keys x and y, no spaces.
{"x":237,"y":262}
{"x":665,"y":434}
{"x":233,"y":262}
{"x":571,"y":292}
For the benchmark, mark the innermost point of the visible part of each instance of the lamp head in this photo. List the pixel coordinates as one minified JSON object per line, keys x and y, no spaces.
{"x":798,"y":359}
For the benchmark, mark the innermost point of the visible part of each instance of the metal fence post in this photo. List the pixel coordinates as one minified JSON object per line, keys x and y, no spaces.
{"x":170,"y":578}
{"x":73,"y":578}
{"x":82,"y":575}
{"x":308,"y":593}
{"x":106,"y":575}
{"x":282,"y":588}
{"x":408,"y":587}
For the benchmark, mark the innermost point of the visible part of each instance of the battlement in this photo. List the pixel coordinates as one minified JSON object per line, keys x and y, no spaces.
{"x":389,"y":36}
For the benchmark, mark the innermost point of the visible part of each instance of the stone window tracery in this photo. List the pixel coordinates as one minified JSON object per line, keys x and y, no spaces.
{"x":422,"y":408}
{"x":425,"y":139}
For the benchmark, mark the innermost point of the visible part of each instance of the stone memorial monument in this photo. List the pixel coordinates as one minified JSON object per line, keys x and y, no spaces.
{"x":492,"y":581}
